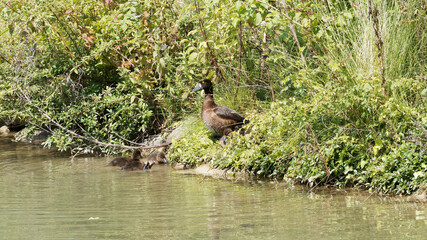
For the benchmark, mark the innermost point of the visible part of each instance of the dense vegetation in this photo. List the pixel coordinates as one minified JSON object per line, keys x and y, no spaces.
{"x":336,"y":91}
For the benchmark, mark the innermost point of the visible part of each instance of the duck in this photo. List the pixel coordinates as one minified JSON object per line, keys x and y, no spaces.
{"x":122,"y":161}
{"x":221,"y":120}
{"x":137,"y":165}
{"x":158,"y":156}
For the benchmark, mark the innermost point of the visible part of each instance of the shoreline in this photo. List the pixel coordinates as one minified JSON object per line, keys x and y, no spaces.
{"x":206,"y":170}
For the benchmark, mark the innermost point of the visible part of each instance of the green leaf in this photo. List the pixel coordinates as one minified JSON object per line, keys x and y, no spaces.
{"x":162,"y":62}
{"x":258,"y":19}
{"x":11,"y":29}
{"x":192,"y":56}
{"x":348,"y":15}
{"x":203,"y":45}
{"x":238,"y":5}
{"x":236,"y":22}
{"x":192,"y":32}
{"x":340,"y":20}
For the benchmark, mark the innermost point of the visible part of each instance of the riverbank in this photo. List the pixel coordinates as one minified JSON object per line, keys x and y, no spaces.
{"x":335,"y":92}
{"x":208,"y":169}
{"x":283,"y":149}
{"x":302,"y":142}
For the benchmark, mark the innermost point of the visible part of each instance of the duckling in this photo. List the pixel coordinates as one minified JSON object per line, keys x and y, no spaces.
{"x":219,"y":119}
{"x":137,"y":165}
{"x":122,"y":161}
{"x":158,"y":156}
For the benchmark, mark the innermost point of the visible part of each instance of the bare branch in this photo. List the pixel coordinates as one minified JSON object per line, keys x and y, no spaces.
{"x":294,"y":32}
{"x":27,"y":99}
{"x":240,"y":60}
{"x":373,"y":12}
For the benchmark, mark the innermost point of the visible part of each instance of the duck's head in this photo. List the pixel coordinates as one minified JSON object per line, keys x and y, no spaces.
{"x":204,"y":84}
{"x":136,"y":154}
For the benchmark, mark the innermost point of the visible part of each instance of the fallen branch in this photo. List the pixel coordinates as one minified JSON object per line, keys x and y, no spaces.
{"x":27,"y":99}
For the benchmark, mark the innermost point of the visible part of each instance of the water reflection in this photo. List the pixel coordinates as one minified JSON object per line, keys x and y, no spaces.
{"x":46,"y":195}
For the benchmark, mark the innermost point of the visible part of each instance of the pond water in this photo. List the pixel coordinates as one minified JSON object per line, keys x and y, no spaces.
{"x":46,"y":195}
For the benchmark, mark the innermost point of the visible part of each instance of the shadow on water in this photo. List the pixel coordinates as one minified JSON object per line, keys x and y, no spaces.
{"x":46,"y":195}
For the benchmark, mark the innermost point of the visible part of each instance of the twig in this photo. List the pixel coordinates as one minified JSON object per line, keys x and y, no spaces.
{"x":124,"y":139}
{"x":4,"y":58}
{"x":213,"y":61}
{"x":65,"y":29}
{"x":327,"y":5}
{"x":373,"y":12}
{"x":293,"y":31}
{"x":92,"y":140}
{"x":263,"y":60}
{"x":240,"y":59}
{"x":62,"y":39}
{"x":420,"y":126}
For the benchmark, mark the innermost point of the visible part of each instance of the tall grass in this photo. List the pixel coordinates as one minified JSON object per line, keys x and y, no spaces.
{"x":403,"y":32}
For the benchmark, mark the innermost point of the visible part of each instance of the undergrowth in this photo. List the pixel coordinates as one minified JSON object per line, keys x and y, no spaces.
{"x":354,"y":137}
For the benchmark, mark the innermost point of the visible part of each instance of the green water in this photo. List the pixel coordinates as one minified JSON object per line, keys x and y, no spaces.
{"x":46,"y":195}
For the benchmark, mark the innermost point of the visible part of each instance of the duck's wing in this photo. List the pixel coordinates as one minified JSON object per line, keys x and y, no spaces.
{"x":120,"y":162}
{"x":228,"y":113}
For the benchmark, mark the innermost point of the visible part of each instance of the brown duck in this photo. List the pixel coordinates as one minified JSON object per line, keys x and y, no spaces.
{"x":157,"y":156}
{"x":122,"y":161}
{"x":219,"y":119}
{"x":137,"y":165}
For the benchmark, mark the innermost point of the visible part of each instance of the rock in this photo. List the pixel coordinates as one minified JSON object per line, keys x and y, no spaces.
{"x":37,"y":136}
{"x":157,"y":141}
{"x":208,"y":171}
{"x":4,"y":131}
{"x":180,"y":166}
{"x":420,"y":195}
{"x":178,"y":133}
{"x":14,"y":125}
{"x":40,"y":135}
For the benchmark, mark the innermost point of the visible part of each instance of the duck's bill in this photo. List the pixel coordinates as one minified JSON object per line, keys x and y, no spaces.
{"x":197,"y":88}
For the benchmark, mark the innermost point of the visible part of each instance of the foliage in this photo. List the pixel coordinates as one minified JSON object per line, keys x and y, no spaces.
{"x":94,"y":68}
{"x":334,"y":123}
{"x":335,"y":90}
{"x":363,"y":143}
